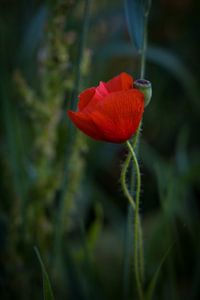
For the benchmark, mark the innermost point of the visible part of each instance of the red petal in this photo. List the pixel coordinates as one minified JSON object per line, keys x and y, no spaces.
{"x":85,"y":97}
{"x":121,"y":82}
{"x":101,"y":91}
{"x":85,"y":124}
{"x":89,"y":98}
{"x":118,"y":117}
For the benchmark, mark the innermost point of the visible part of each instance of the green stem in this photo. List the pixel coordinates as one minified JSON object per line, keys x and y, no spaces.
{"x":123,"y":181}
{"x":136,"y":138}
{"x":139,"y":267}
{"x":85,"y":28}
{"x":128,"y":195}
{"x":144,"y":42}
{"x":138,"y":253}
{"x":141,"y":252}
{"x":144,"y":47}
{"x":141,"y":256}
{"x":136,"y":222}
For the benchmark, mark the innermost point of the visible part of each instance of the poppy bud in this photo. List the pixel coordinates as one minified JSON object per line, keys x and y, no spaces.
{"x":144,"y":86}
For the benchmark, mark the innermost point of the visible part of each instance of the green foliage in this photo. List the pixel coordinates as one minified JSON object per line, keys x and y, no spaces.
{"x":153,"y":282}
{"x":61,"y":191}
{"x":47,"y":289}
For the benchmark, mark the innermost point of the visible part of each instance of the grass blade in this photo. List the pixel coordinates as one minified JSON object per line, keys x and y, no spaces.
{"x":47,"y":289}
{"x":154,"y":280}
{"x":135,"y":20}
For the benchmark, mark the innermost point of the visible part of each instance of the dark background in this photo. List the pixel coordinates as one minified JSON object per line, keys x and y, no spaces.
{"x":60,"y":191}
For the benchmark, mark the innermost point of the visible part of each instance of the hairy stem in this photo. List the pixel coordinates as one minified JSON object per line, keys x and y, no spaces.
{"x":138,"y":250}
{"x":139,"y":261}
{"x":126,"y":192}
{"x":137,"y":223}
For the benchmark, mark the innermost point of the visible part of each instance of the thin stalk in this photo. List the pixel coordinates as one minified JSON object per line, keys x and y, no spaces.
{"x":144,"y":48}
{"x":126,"y":192}
{"x":144,"y":41}
{"x":136,"y":137}
{"x":138,"y":247}
{"x":139,"y":266}
{"x":141,"y":252}
{"x":86,"y":18}
{"x":131,"y":208}
{"x":141,"y":256}
{"x":125,"y":170}
{"x":136,"y":223}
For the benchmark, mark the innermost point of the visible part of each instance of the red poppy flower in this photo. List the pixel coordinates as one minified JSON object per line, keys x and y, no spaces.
{"x":110,"y":112}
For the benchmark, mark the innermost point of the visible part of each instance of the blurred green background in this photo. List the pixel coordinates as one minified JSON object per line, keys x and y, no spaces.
{"x":60,"y":191}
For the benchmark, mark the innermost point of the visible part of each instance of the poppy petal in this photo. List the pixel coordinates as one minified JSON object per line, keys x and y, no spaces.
{"x":85,"y":124}
{"x":101,"y":91}
{"x":85,"y":97}
{"x":119,"y":116}
{"x":118,"y":83}
{"x":90,"y":97}
{"x":121,"y":82}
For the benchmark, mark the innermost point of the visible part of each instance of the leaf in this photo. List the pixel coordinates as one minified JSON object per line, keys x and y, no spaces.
{"x":95,"y":228}
{"x":154,"y":280}
{"x":47,"y":289}
{"x":134,"y":11}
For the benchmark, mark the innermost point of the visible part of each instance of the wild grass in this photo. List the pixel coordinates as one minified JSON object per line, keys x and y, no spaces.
{"x":60,"y":190}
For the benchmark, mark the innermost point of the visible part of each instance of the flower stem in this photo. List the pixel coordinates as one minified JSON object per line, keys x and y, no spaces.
{"x":141,"y":256}
{"x":144,"y":42}
{"x":141,"y":253}
{"x":123,"y":181}
{"x":129,"y":196}
{"x":138,"y":242}
{"x":136,"y":138}
{"x":143,"y":51}
{"x":136,"y":223}
{"x":138,"y":247}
